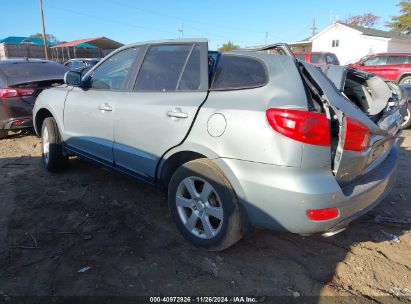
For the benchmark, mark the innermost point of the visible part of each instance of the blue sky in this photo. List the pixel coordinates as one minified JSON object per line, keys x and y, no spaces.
{"x":243,"y":22}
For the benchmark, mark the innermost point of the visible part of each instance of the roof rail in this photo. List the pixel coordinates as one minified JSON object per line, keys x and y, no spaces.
{"x":282,"y":47}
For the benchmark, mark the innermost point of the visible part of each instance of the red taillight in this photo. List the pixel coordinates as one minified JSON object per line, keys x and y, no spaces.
{"x":16,"y":92}
{"x":322,"y":214}
{"x":18,"y":122}
{"x":357,"y":136}
{"x":304,"y":126}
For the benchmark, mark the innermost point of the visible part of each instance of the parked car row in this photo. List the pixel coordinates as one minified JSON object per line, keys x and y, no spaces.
{"x":81,"y":65}
{"x":236,"y":139}
{"x":21,"y":81}
{"x":392,"y":66}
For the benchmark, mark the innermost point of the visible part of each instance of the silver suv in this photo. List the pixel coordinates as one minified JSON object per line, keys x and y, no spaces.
{"x":237,"y":138}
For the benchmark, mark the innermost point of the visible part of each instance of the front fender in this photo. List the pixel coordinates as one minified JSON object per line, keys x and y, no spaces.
{"x":52,"y":100}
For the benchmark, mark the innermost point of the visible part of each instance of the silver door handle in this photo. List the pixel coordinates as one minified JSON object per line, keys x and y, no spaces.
{"x":105,"y":107}
{"x":177,"y":114}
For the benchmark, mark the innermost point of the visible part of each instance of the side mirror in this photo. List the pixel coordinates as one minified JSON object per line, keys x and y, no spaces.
{"x":72,"y":78}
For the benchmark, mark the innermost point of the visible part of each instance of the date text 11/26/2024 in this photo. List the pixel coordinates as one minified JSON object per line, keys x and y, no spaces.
{"x":239,"y":299}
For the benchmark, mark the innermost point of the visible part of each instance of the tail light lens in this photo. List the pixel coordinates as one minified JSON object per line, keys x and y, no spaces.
{"x":322,"y":214}
{"x":357,"y":136}
{"x":16,"y":92}
{"x":307,"y":127}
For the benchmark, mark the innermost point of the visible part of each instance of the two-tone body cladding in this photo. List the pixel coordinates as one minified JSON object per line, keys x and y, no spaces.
{"x":235,"y":138}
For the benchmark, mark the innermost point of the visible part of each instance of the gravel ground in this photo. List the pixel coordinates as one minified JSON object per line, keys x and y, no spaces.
{"x":119,"y":232}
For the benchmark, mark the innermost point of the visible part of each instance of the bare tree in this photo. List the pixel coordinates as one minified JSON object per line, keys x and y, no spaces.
{"x":365,"y":20}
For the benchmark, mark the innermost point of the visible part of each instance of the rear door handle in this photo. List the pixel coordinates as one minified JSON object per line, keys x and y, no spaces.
{"x":105,"y":107}
{"x":177,"y":114}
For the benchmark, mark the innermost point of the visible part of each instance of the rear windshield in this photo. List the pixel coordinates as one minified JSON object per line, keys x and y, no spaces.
{"x":35,"y":70}
{"x":300,"y":57}
{"x":237,"y":72}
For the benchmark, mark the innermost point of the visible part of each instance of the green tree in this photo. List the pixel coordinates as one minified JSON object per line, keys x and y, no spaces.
{"x":50,"y":38}
{"x":229,"y":46}
{"x":401,"y":23}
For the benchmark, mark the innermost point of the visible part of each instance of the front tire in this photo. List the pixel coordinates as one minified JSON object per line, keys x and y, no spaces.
{"x":52,"y":150}
{"x":204,"y":205}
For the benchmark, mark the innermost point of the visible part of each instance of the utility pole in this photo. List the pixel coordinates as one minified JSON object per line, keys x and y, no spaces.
{"x":46,"y":53}
{"x":266,"y":36}
{"x":181,"y":31}
{"x":313,"y":28}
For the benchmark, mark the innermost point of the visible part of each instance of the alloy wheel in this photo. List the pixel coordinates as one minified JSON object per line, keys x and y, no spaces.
{"x":46,"y":145}
{"x":407,"y":117}
{"x":199,"y":207}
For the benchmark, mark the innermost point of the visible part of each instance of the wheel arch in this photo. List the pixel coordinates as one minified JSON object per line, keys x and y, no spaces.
{"x":403,"y":75}
{"x":171,"y":164}
{"x":174,"y":159}
{"x":41,"y":115}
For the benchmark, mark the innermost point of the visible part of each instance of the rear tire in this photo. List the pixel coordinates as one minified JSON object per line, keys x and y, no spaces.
{"x":204,"y":206}
{"x":406,"y":79}
{"x":52,"y":150}
{"x":3,"y":134}
{"x":407,"y":118}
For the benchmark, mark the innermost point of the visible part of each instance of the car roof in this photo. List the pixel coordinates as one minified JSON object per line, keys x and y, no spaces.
{"x":301,"y":53}
{"x":166,"y":41}
{"x":18,"y":71}
{"x":23,"y":60}
{"x":85,"y":59}
{"x":390,"y":54}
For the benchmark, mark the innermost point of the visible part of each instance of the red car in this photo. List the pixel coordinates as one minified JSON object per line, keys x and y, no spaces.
{"x":318,"y":58}
{"x":392,"y":66}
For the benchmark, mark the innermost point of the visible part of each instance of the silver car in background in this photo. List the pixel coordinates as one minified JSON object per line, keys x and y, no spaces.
{"x":237,"y":139}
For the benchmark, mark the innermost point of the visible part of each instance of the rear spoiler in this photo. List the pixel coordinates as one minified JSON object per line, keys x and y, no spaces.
{"x":281,"y":48}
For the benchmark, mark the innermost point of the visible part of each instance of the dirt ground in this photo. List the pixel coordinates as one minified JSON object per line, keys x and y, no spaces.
{"x":118,"y":231}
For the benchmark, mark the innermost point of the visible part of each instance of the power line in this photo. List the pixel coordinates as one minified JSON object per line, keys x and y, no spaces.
{"x":219,"y":26}
{"x":108,"y":19}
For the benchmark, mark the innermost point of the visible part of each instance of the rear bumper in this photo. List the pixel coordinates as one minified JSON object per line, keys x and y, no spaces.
{"x":278,"y":197}
{"x":10,"y":124}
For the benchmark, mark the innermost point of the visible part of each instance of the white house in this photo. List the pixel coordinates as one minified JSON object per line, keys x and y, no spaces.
{"x":350,"y":42}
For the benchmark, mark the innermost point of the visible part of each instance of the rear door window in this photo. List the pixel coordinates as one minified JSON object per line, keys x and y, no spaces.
{"x":396,"y":59}
{"x":237,"y":72}
{"x":170,"y":68}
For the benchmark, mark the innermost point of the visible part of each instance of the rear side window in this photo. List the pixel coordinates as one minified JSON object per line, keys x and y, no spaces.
{"x":317,"y":58}
{"x":300,"y":57}
{"x":170,"y":68}
{"x":235,"y":72}
{"x":396,"y":60}
{"x":332,"y":59}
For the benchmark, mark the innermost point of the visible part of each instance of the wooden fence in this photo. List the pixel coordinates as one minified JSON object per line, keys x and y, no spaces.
{"x":61,"y":54}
